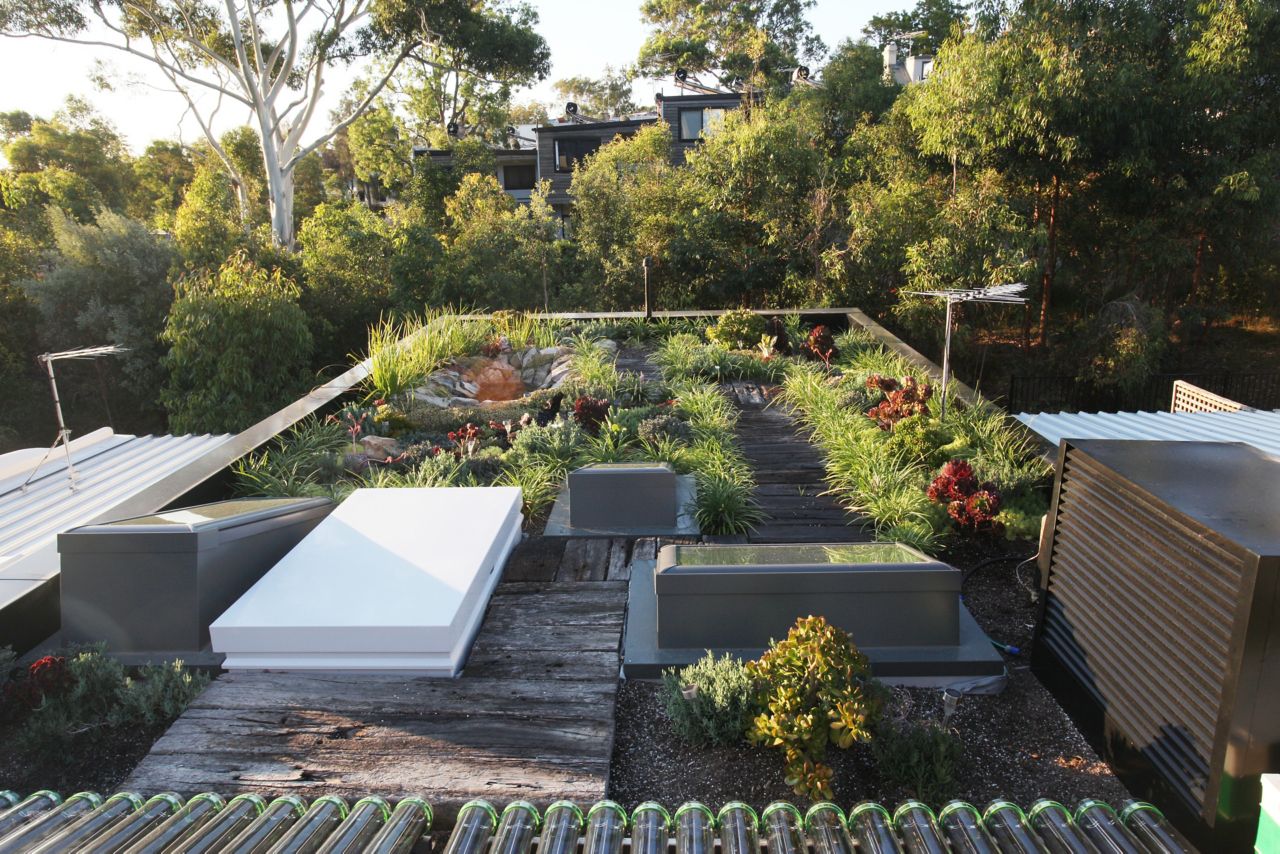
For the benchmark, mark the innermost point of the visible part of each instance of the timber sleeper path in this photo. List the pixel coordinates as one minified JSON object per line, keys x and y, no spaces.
{"x":789,"y":472}
{"x":531,"y":716}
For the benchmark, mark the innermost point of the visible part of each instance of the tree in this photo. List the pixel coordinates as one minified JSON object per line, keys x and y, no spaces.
{"x":854,"y":88}
{"x":206,"y":227}
{"x":272,"y":60}
{"x":471,"y":90}
{"x":922,"y":30}
{"x":701,"y":35}
{"x":309,"y":191}
{"x":19,"y":320}
{"x":161,"y":177}
{"x":74,"y":161}
{"x":622,"y":212}
{"x":494,"y":247}
{"x":604,"y":96}
{"x":239,"y":347}
{"x":108,"y":284}
{"x":381,"y":153}
{"x":345,"y":256}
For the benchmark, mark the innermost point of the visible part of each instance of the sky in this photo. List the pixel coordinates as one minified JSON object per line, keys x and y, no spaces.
{"x":584,"y":37}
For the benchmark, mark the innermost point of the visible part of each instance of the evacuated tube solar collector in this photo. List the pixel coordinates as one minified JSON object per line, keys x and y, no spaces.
{"x":695,"y":829}
{"x":650,"y":829}
{"x":871,"y":826}
{"x":962,"y":825}
{"x":408,"y":822}
{"x":606,"y":827}
{"x":31,"y":834}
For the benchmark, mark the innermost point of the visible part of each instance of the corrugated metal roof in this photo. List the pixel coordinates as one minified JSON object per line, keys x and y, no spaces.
{"x":1258,"y":428}
{"x":110,"y":468}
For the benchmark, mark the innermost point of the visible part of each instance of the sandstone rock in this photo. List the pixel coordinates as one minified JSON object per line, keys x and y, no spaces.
{"x":380,"y":447}
{"x":608,"y":344}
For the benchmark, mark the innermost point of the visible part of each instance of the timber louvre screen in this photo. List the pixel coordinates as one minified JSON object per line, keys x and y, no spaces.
{"x":1148,"y":602}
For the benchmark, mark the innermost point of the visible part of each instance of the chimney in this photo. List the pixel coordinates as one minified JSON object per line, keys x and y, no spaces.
{"x":890,"y":56}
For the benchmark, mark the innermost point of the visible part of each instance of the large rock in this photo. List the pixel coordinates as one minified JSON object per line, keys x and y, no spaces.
{"x":380,"y":447}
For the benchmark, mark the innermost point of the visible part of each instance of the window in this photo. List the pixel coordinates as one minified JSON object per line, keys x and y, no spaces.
{"x":518,"y":176}
{"x":699,"y":122}
{"x":570,"y":152}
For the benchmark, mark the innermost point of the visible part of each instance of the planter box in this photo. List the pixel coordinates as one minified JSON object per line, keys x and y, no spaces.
{"x":741,"y":597}
{"x":623,"y":496}
{"x":155,"y":583}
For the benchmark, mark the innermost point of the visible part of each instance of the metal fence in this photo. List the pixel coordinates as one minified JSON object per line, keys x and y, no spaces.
{"x":1067,"y":394}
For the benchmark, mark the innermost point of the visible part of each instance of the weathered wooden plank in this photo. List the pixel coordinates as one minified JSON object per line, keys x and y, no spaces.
{"x":645,"y":548}
{"x":619,"y":567}
{"x":595,"y":563}
{"x":558,"y":589}
{"x":550,"y":637}
{"x":288,"y":693}
{"x":534,"y":559}
{"x":571,"y":565}
{"x":558,"y":664}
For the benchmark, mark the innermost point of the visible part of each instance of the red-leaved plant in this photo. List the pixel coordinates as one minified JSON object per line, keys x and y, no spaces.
{"x":590,"y":413}
{"x":902,"y":399}
{"x":466,"y":440}
{"x":820,"y":345}
{"x":45,"y":677}
{"x":971,"y":505}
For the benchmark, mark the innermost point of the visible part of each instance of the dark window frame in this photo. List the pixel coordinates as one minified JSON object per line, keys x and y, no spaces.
{"x":702,"y":123}
{"x":594,"y":143}
{"x":532,"y":173}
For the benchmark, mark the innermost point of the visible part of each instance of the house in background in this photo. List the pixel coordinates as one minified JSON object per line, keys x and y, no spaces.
{"x":912,"y":69}
{"x":559,"y":146}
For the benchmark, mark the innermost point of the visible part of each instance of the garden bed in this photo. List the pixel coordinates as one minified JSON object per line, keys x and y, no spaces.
{"x":1018,"y":745}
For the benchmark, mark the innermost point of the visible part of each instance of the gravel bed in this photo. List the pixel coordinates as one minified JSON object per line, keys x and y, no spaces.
{"x":1018,"y":745}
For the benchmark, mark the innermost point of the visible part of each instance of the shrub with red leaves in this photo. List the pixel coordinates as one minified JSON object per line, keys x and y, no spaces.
{"x":491,"y":348}
{"x":590,"y":413}
{"x":47,"y":677}
{"x":820,"y":345}
{"x":971,"y":505}
{"x":466,"y":440}
{"x":902,"y":399}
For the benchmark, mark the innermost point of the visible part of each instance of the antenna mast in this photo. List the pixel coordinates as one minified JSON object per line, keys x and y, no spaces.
{"x":64,"y":432}
{"x":996,"y":293}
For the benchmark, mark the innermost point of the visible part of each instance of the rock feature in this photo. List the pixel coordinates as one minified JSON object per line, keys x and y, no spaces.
{"x":509,"y":374}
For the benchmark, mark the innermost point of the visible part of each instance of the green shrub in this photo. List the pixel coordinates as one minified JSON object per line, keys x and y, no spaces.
{"x":712,"y":701}
{"x":346,"y":258}
{"x":207,"y":226}
{"x":920,"y":757}
{"x":739,"y":329}
{"x":664,"y":427}
{"x":96,"y":691}
{"x":560,"y":445}
{"x":815,"y":691}
{"x":239,"y":348}
{"x":724,"y":505}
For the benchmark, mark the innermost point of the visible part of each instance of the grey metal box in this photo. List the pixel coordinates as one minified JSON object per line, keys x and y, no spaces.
{"x":730,"y":596}
{"x":623,"y":495}
{"x":155,"y":583}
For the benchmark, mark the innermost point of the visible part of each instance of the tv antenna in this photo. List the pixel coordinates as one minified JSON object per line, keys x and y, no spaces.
{"x":1008,"y":294}
{"x":64,"y":432}
{"x":689,"y":83}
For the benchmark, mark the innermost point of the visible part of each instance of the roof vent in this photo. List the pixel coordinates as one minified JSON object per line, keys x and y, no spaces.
{"x":571,"y":108}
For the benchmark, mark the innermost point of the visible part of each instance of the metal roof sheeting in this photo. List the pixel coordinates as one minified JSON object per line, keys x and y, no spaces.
{"x":110,"y":468}
{"x":1258,"y":428}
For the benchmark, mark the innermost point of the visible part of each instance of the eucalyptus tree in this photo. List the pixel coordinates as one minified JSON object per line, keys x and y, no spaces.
{"x":604,"y":96}
{"x":701,"y":35}
{"x":272,"y":58}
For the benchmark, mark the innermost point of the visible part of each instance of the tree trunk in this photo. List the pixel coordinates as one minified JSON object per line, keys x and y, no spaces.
{"x":1051,"y":262}
{"x":1198,"y":270}
{"x":279,"y":187}
{"x":1026,"y":307}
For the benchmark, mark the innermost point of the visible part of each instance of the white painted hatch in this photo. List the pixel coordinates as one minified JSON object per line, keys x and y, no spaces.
{"x":392,"y":579}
